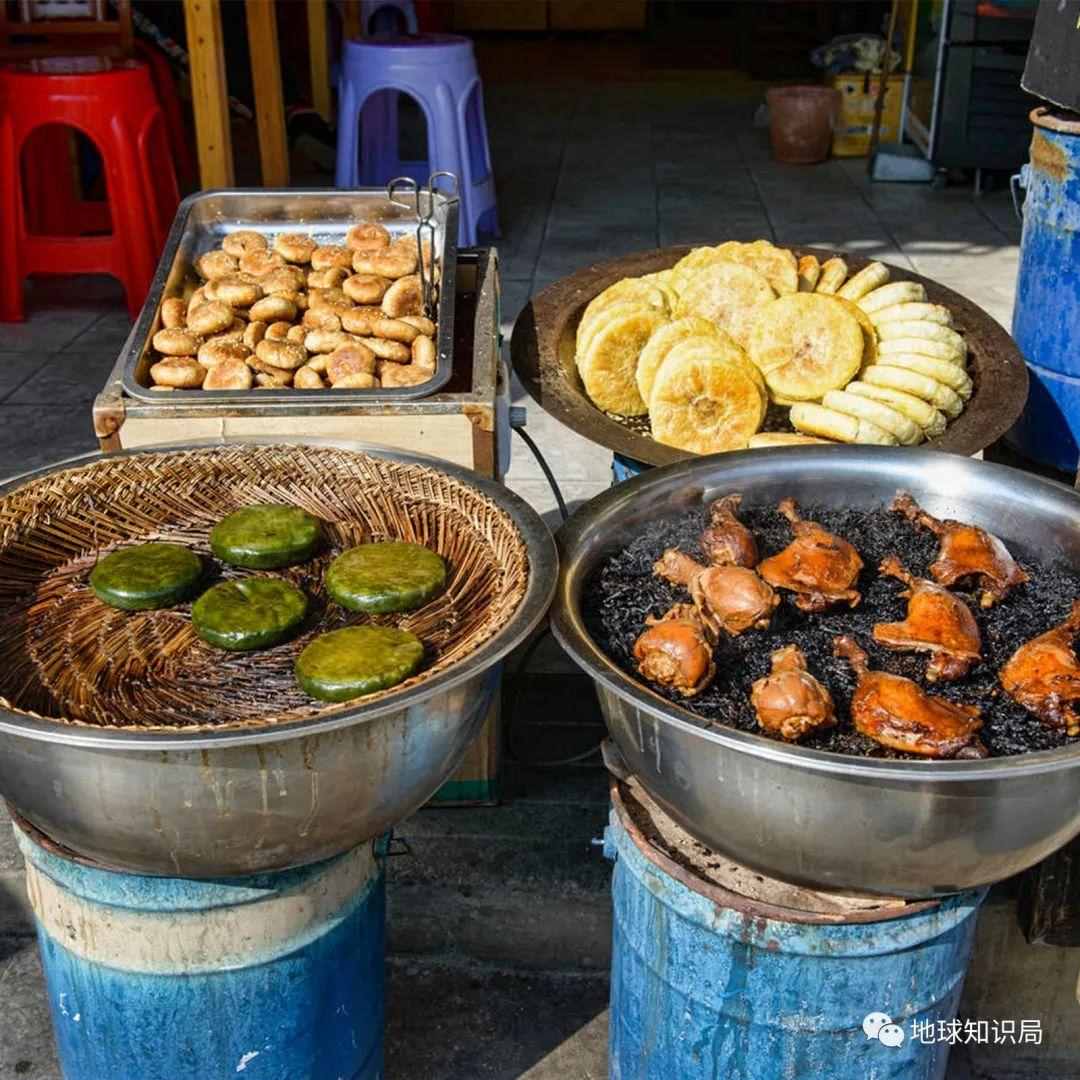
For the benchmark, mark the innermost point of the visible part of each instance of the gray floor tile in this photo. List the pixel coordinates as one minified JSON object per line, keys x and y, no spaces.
{"x":76,"y":290}
{"x":26,"y":1043}
{"x":35,"y":435}
{"x":58,"y":309}
{"x":709,"y":226}
{"x":65,"y":378}
{"x":569,"y":248}
{"x":46,"y":329}
{"x":735,"y":185}
{"x":525,"y":200}
{"x":106,"y":336}
{"x":997,"y":207}
{"x":15,"y":369}
{"x":515,"y":295}
{"x":572,"y":457}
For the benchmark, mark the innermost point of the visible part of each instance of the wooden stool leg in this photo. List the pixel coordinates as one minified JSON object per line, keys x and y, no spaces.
{"x":269,"y":105}
{"x":209,"y":92}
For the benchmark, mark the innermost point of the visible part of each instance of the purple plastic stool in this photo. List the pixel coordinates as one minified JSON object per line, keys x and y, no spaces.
{"x":439,"y":72}
{"x":376,"y":14}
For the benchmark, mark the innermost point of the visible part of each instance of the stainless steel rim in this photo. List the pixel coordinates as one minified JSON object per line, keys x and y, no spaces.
{"x":569,"y":628}
{"x":543,"y":573}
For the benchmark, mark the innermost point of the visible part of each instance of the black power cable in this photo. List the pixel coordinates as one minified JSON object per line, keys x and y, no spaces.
{"x":530,"y":649}
{"x":564,"y":513}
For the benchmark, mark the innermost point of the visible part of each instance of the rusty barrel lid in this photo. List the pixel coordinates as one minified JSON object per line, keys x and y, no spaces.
{"x":1055,"y":119}
{"x":734,"y":886}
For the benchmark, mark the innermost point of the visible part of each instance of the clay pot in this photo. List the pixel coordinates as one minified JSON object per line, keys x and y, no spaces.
{"x":801,"y":120}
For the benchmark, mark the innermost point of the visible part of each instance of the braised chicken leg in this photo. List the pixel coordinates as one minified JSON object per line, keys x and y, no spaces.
{"x":938,"y":622}
{"x":966,"y":551}
{"x":899,"y":714}
{"x":1044,"y":677}
{"x":730,"y":599}
{"x":817,"y":566}
{"x":676,"y":651}
{"x":789,"y":701}
{"x":726,"y":540}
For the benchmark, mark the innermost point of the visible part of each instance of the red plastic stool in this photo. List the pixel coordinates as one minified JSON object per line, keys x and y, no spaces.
{"x":114,"y":104}
{"x":54,"y":201}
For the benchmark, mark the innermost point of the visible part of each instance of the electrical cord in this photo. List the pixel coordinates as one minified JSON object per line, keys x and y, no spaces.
{"x":530,"y":649}
{"x":546,"y":469}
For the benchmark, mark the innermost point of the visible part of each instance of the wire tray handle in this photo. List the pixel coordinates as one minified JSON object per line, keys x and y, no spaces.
{"x":422,"y":201}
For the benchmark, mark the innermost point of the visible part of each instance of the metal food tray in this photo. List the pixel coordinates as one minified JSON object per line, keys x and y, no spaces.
{"x":203,"y":220}
{"x":543,"y":353}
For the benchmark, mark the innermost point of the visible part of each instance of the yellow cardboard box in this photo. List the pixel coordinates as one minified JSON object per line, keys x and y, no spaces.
{"x":858,"y":96}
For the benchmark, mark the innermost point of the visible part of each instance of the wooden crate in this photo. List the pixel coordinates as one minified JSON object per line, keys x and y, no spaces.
{"x":467,"y":423}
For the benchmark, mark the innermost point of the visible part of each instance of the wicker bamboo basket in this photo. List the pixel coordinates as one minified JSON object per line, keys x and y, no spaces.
{"x":65,"y":656}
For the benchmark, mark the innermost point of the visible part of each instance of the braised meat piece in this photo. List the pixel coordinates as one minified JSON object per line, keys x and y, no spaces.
{"x":726,"y":540}
{"x":730,"y":599}
{"x":1044,"y":677}
{"x":817,"y":566}
{"x":938,"y":622}
{"x":899,"y":714}
{"x":789,"y":701}
{"x":676,"y":651}
{"x":966,"y":551}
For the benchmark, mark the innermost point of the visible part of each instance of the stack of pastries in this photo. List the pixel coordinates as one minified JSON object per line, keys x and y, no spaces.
{"x":705,"y":348}
{"x":293,"y":313}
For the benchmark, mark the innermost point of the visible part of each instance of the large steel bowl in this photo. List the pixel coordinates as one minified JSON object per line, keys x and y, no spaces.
{"x":238,"y":802}
{"x":908,"y":828}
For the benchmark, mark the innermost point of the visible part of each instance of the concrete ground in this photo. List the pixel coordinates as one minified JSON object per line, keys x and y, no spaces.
{"x":499,"y":920}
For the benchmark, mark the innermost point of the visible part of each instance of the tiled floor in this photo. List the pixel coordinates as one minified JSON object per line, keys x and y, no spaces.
{"x":584,"y":173}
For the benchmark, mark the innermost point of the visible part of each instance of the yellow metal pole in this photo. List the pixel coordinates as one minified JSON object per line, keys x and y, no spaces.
{"x":209,"y":92}
{"x":319,"y":46}
{"x":269,"y":104}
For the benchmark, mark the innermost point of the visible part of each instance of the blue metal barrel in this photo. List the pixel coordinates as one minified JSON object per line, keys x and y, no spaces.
{"x":273,"y":977}
{"x":703,"y":990}
{"x":1046,"y":318}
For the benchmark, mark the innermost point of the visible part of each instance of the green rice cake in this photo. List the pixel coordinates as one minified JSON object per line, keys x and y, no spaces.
{"x":146,"y":576}
{"x":265,"y":537}
{"x":358,"y":660}
{"x":388,"y":576}
{"x":252,"y":613}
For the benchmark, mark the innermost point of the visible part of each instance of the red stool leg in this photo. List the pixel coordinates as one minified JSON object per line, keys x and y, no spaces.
{"x":133,"y":216}
{"x":169,"y":100}
{"x":11,"y":225}
{"x":159,"y":179}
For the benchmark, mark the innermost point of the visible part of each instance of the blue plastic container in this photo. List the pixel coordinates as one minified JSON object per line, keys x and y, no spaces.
{"x":271,"y":977}
{"x":705,"y":991}
{"x":624,"y":468}
{"x":1046,"y":318}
